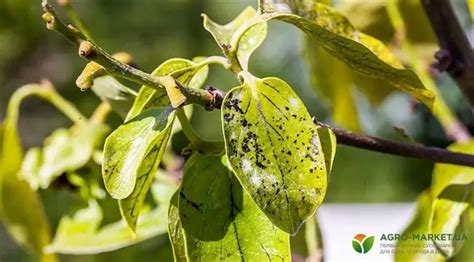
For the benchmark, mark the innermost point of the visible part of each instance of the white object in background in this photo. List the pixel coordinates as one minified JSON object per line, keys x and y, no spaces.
{"x":339,"y":224}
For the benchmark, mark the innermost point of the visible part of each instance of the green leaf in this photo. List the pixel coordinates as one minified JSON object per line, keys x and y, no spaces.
{"x":130,"y":207}
{"x":129,"y":145}
{"x":357,"y":246}
{"x":192,"y":74}
{"x":418,"y":226}
{"x":239,"y":38}
{"x":204,"y":199}
{"x":452,"y":191}
{"x":274,"y":149}
{"x":445,"y":175}
{"x":64,"y":151}
{"x":115,"y":93}
{"x":368,"y":243}
{"x":450,"y":217}
{"x":21,"y":209}
{"x":240,"y":231}
{"x":336,"y":34}
{"x":82,"y":234}
{"x":328,"y":145}
{"x":175,"y":230}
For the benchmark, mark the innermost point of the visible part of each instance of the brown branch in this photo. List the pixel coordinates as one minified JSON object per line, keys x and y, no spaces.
{"x":456,"y":55}
{"x":434,"y":154}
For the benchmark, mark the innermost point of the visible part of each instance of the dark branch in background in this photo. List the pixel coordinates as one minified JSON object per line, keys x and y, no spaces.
{"x":456,"y":55}
{"x":401,"y":149}
{"x":212,"y":98}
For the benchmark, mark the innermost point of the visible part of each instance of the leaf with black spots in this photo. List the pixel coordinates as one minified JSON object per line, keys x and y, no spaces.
{"x":338,"y":36}
{"x":274,"y":148}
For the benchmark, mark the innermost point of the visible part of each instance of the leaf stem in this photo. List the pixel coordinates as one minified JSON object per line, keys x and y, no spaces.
{"x":47,"y":92}
{"x":196,"y":141}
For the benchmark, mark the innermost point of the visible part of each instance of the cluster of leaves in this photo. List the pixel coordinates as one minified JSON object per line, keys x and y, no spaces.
{"x":241,"y":199}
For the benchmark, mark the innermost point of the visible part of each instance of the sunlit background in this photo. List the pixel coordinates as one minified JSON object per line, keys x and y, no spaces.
{"x":153,"y":31}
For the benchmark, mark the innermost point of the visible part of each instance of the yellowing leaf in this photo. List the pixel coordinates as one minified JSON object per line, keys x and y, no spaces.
{"x":64,"y":151}
{"x":21,"y":208}
{"x":450,"y":217}
{"x":274,"y":149}
{"x":219,"y":219}
{"x":82,"y":234}
{"x":452,"y":194}
{"x":332,"y":81}
{"x":418,"y":250}
{"x":239,"y":38}
{"x":336,"y":34}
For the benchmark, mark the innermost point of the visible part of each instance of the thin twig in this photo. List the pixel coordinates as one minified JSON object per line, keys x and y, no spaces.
{"x":456,"y":55}
{"x":384,"y":146}
{"x":91,"y":51}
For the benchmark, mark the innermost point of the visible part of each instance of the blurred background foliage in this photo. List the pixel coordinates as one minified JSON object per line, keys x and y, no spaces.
{"x":153,"y":31}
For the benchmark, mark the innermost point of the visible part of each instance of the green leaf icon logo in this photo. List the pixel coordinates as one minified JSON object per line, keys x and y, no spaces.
{"x":362,"y":244}
{"x":368,"y":243}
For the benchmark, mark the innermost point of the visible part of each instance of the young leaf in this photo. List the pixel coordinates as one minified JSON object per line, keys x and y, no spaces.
{"x":81,"y":234}
{"x":274,"y":149}
{"x":130,"y":207}
{"x":128,"y":146}
{"x":419,"y":225}
{"x":64,"y":151}
{"x":220,"y":220}
{"x":239,"y":38}
{"x":184,"y":71}
{"x":336,"y":34}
